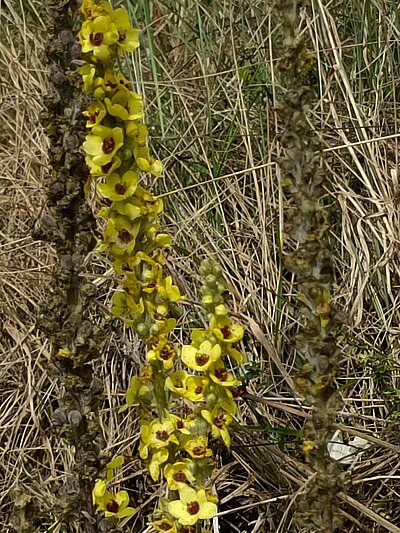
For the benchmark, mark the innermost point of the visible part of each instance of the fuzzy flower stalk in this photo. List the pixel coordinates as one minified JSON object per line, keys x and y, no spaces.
{"x":303,"y":181}
{"x":185,"y":394}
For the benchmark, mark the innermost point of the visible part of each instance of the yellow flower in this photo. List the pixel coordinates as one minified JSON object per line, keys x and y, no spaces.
{"x":126,"y":307}
{"x":192,"y":506}
{"x":140,"y":388}
{"x":95,"y":114}
{"x":109,"y":84}
{"x":128,"y":38}
{"x":103,"y":170}
{"x":196,"y":447}
{"x":138,"y":132}
{"x":219,"y":374}
{"x":162,"y":351}
{"x":225,"y":331}
{"x":117,"y":188}
{"x":179,"y":474}
{"x":91,"y":10}
{"x":157,"y":459}
{"x":219,"y":420}
{"x":201,"y":358}
{"x":87,"y":72}
{"x":113,"y":505}
{"x":126,"y":105}
{"x":96,"y":36}
{"x":119,"y":236}
{"x":128,"y":208}
{"x":156,"y":435}
{"x":167,"y":291}
{"x":164,"y":525}
{"x":190,"y":387}
{"x":103,"y":143}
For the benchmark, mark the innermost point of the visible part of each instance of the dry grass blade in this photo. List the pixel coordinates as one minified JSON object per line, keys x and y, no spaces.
{"x":208,"y":70}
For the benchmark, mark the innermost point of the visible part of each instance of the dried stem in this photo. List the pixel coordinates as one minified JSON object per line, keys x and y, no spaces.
{"x":69,"y":225}
{"x":307,"y":223}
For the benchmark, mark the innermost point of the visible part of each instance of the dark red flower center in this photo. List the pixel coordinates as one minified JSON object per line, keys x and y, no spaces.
{"x":96,"y":39}
{"x":180,"y":477}
{"x":112,"y":506}
{"x":221,"y":374}
{"x":122,"y":36}
{"x":201,"y":359}
{"x":125,"y":236}
{"x":165,"y":354}
{"x":162,"y":435}
{"x":126,"y":268}
{"x":105,"y":168}
{"x":193,"y":508}
{"x":179,"y":424}
{"x":225,"y":332}
{"x":219,"y":421}
{"x":108,"y":145}
{"x":120,"y":188}
{"x":198,"y":451}
{"x":198,"y":390}
{"x":92,"y":118}
{"x":164,"y":526}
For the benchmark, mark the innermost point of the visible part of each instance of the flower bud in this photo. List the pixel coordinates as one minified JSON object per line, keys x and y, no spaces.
{"x":207,"y":299}
{"x":211,"y":281}
{"x":142,"y":330}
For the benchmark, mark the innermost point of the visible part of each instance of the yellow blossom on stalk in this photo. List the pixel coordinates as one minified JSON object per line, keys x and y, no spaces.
{"x":109,"y":84}
{"x":156,"y":434}
{"x":201,"y":358}
{"x":140,"y":388}
{"x":219,"y":374}
{"x":126,"y":307}
{"x":91,"y":10}
{"x":196,"y":447}
{"x":190,"y":387}
{"x":119,"y":235}
{"x":162,"y":351}
{"x":103,"y":170}
{"x":167,"y":291}
{"x":103,"y":143}
{"x":157,"y":458}
{"x":87,"y":72}
{"x":126,"y":105}
{"x":192,"y":506}
{"x":95,"y":114}
{"x":219,"y":420}
{"x":117,"y":188}
{"x":128,"y":38}
{"x":164,"y":525}
{"x":179,"y":474}
{"x":137,"y":132}
{"x":96,"y":36}
{"x":223,"y":329}
{"x":113,"y":505}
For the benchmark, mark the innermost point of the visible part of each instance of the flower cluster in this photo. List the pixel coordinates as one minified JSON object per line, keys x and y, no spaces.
{"x":194,"y":401}
{"x":186,"y":394}
{"x":112,"y":504}
{"x":116,"y":152}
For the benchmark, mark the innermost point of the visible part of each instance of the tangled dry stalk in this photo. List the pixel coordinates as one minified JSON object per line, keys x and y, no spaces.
{"x":210,"y":79}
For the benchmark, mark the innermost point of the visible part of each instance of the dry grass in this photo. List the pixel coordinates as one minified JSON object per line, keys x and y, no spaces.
{"x":209,"y":72}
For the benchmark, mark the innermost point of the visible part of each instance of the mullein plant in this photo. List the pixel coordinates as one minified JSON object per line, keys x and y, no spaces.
{"x":304,"y":181}
{"x":185,"y":394}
